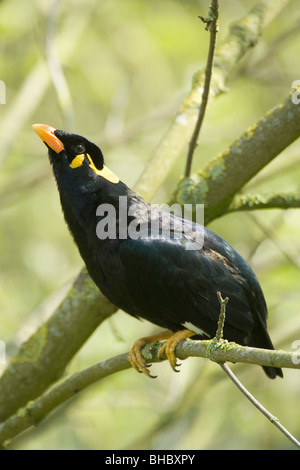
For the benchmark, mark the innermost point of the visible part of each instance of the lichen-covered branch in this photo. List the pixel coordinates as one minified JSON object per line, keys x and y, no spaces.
{"x":216,"y":185}
{"x":216,"y":350}
{"x":241,"y":37}
{"x":43,"y":358}
{"x":34,"y":412}
{"x":251,"y":202}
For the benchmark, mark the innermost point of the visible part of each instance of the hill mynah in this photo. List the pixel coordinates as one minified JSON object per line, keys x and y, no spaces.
{"x":149,"y":262}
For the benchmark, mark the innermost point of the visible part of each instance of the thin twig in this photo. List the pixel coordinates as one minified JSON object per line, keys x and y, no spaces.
{"x":258,"y":405}
{"x":239,"y":385}
{"x":241,"y":37}
{"x":221,"y":322}
{"x":211,"y":26}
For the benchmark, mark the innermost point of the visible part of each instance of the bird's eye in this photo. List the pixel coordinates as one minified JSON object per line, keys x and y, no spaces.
{"x":78,"y":148}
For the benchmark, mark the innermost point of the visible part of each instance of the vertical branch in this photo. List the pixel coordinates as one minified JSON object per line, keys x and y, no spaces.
{"x":240,"y":386}
{"x":242,"y":35}
{"x":211,"y":26}
{"x":223,"y":302}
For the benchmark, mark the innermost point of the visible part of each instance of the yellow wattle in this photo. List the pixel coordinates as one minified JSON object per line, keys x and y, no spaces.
{"x":77,"y":161}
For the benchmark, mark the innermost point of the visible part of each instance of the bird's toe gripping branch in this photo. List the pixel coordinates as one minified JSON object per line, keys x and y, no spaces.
{"x":137,"y":360}
{"x":168,"y":348}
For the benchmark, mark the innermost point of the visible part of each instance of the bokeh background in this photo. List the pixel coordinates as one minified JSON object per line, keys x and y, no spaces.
{"x":116,"y":72}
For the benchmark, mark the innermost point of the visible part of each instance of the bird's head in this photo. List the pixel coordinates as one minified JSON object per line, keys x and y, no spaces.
{"x":74,"y":158}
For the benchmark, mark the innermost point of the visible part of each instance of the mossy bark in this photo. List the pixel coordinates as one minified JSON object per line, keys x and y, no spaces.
{"x":216,"y":185}
{"x":242,"y":36}
{"x":42,"y":359}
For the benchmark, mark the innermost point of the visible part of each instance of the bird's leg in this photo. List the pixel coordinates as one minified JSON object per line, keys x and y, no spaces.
{"x":170,"y":345}
{"x":136,"y":358}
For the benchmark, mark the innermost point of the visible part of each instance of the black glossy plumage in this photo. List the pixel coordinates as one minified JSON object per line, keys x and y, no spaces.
{"x":156,"y":277}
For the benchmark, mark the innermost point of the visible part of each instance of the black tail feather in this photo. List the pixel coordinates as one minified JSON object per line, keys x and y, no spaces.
{"x":261,"y":339}
{"x":273,"y":372}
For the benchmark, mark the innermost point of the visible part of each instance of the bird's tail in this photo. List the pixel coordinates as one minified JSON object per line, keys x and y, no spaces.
{"x":261,"y":339}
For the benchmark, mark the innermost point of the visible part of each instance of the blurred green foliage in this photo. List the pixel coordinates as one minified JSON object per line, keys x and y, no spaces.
{"x":126,"y":66}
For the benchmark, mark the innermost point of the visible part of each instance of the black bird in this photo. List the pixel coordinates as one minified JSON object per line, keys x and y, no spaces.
{"x":146,"y":263}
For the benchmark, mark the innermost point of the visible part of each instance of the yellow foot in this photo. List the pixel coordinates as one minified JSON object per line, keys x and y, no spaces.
{"x":136,"y":358}
{"x":170,"y":345}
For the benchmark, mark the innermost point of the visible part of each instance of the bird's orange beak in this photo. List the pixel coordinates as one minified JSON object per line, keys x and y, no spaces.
{"x":46,"y":133}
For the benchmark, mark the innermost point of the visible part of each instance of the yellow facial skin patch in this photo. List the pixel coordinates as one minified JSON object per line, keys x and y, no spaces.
{"x":104,"y":173}
{"x":77,"y":161}
{"x":107,"y":174}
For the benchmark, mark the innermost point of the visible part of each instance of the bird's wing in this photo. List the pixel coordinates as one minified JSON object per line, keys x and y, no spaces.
{"x":171,"y":280}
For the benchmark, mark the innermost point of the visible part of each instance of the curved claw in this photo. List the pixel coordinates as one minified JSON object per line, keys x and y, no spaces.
{"x":170,"y":345}
{"x":178,"y":364}
{"x":152,"y":376}
{"x":136,"y":358}
{"x":169,"y":350}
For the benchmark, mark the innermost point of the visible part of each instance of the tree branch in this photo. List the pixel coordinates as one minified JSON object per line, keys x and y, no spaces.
{"x":241,"y":37}
{"x":259,"y":406}
{"x":238,"y":384}
{"x":222,"y":316}
{"x":250,"y":202}
{"x":219,"y":352}
{"x":43,"y":358}
{"x":212,"y":27}
{"x":233,"y":352}
{"x":216,"y":185}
